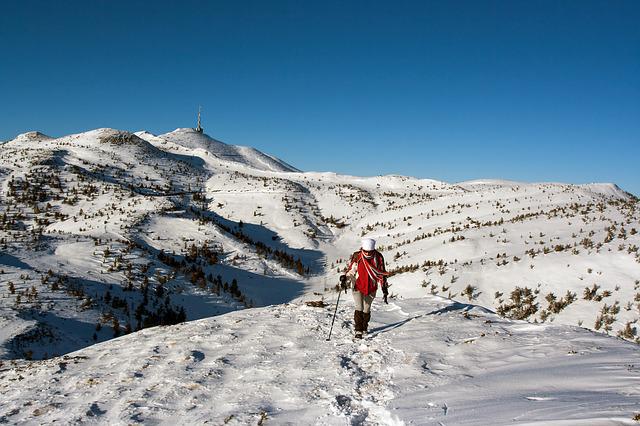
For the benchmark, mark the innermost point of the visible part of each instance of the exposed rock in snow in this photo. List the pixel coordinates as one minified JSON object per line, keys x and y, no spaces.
{"x":33,"y":136}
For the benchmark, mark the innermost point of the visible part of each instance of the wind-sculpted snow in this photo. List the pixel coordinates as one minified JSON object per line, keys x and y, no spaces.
{"x":428,"y":361}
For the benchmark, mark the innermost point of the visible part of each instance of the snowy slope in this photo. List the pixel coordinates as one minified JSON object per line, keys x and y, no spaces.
{"x":137,"y":196}
{"x":430,"y":361}
{"x":106,"y":232}
{"x":192,"y":140}
{"x":80,"y":217}
{"x":33,"y":136}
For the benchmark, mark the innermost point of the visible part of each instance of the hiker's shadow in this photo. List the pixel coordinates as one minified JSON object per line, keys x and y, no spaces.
{"x":388,"y":327}
{"x":455,"y":306}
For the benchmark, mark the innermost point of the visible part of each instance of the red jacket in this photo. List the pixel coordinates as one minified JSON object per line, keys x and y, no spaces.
{"x":369,"y":271}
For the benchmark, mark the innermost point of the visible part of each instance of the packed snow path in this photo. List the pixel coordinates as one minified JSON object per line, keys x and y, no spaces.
{"x":428,"y":361}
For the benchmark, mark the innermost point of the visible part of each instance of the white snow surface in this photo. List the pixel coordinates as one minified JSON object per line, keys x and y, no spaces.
{"x":192,"y":140}
{"x":428,"y":361}
{"x":87,"y":222}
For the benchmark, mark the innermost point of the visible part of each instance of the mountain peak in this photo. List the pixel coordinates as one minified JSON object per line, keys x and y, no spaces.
{"x":185,"y":130}
{"x":189,"y":138}
{"x":33,"y":136}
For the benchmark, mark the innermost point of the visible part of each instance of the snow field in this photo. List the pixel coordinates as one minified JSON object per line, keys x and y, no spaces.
{"x":429,"y":360}
{"x":97,"y":209}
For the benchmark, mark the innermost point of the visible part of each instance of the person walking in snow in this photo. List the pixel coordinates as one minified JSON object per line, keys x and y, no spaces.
{"x":365,"y":273}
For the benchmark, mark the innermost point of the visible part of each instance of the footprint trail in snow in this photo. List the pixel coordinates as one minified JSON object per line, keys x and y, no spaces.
{"x":430,"y":360}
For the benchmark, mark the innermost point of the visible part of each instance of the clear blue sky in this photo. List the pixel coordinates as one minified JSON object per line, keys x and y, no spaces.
{"x":451,"y":90}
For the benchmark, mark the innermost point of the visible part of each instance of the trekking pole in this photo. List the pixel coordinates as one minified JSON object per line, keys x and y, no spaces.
{"x":334,"y":314}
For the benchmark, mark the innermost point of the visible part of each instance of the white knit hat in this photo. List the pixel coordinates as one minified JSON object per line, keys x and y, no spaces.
{"x":368,"y":244}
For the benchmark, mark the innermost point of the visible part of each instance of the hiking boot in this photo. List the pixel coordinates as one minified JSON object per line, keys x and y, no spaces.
{"x":358,"y":334}
{"x":366,"y":316}
{"x":358,"y":322}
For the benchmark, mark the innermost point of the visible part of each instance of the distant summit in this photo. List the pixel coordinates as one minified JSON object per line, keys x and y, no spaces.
{"x":196,"y":140}
{"x":33,"y":136}
{"x":181,"y":139}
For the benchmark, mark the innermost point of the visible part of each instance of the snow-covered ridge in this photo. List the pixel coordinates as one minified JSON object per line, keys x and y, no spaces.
{"x":106,"y":232}
{"x":605,"y":189}
{"x":190,"y":139}
{"x":32,"y":136}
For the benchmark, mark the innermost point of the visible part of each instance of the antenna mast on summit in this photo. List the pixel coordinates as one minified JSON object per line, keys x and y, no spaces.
{"x":199,"y":128}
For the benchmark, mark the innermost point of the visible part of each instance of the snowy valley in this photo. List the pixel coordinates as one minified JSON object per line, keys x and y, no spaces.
{"x":510,"y":302}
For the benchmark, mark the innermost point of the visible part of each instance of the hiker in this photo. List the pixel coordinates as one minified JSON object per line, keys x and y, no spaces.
{"x":365,"y":272}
